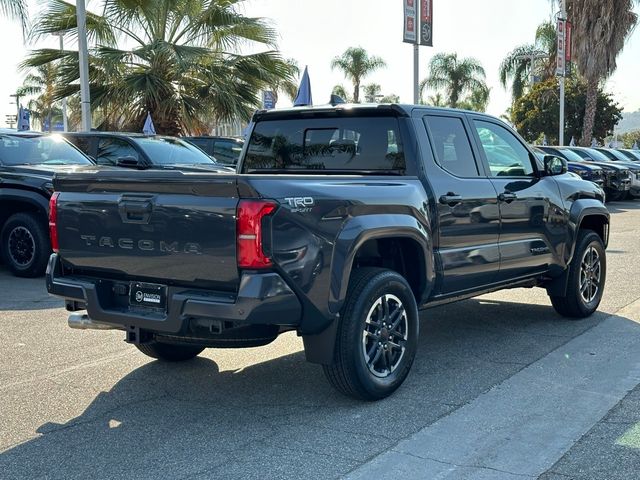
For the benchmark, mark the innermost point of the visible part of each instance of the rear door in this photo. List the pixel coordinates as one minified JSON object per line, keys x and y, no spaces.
{"x":533,"y":229}
{"x":468,"y":214}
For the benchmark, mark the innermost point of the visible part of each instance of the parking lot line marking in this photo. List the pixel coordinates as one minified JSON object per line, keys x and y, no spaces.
{"x":522,"y":426}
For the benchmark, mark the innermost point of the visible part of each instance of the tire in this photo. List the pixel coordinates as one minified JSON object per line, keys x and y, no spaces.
{"x":169,"y":352}
{"x":362,"y":369}
{"x":25,"y":245}
{"x":577,"y":304}
{"x":616,"y":196}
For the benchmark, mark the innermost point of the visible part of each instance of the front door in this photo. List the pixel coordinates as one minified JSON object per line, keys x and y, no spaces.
{"x":533,"y":227}
{"x":469,"y":218}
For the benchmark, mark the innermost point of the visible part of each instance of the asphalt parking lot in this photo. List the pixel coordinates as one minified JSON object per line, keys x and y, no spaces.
{"x":82,"y":404}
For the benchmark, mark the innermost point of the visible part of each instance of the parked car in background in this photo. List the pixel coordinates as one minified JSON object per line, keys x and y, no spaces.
{"x":595,"y":154}
{"x":617,"y":177}
{"x":139,"y":151}
{"x":226,"y":150}
{"x":28,"y":162}
{"x":634,"y":168}
{"x":633,"y":155}
{"x":592,"y":173}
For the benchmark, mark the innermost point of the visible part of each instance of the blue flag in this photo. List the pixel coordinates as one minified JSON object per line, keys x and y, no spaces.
{"x":148,"y":128}
{"x":304,"y":91}
{"x":635,"y":146}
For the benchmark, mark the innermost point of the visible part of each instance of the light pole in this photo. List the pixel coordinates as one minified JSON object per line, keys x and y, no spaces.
{"x":65,"y":124}
{"x":85,"y":100}
{"x":563,"y":16}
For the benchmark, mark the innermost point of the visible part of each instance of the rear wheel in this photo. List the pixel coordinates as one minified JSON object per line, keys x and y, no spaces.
{"x":377,"y":336}
{"x":169,"y":352}
{"x":25,"y":245}
{"x":616,"y":195}
{"x":587,"y":275}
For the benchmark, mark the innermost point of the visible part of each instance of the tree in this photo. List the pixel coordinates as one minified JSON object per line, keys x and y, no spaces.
{"x":536,"y":113}
{"x":520,"y":64}
{"x":15,"y":10}
{"x":176,"y":59}
{"x":478,"y":99}
{"x":600,"y":29}
{"x":391,"y":98}
{"x":356,"y":64}
{"x":436,"y":100}
{"x":372,"y":92}
{"x":456,"y":77}
{"x":340,"y":91}
{"x":42,"y":82}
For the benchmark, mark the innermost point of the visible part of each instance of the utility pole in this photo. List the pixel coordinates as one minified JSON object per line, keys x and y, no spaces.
{"x":18,"y":97}
{"x":563,"y":16}
{"x":65,"y":123}
{"x":85,"y":100}
{"x":416,"y":72}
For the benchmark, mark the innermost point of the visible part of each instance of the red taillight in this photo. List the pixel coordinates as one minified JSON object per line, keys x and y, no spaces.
{"x":249,"y":233}
{"x":53,"y":219}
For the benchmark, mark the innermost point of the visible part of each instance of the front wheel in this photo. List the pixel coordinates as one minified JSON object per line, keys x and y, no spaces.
{"x":377,"y":337}
{"x":587,"y":275}
{"x":169,"y":352}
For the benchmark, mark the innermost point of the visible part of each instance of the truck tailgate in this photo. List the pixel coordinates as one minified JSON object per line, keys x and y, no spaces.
{"x":172,"y":227}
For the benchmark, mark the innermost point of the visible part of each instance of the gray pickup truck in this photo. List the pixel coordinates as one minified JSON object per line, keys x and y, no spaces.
{"x":341,"y":223}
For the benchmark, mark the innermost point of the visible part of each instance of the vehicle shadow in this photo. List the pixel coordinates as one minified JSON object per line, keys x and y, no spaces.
{"x":25,"y":293}
{"x":624,"y":206}
{"x":280,"y":418}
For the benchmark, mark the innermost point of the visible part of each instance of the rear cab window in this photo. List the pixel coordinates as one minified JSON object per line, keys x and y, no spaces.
{"x":327,"y":144}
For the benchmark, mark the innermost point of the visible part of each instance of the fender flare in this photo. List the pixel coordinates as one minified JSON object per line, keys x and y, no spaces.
{"x":582,"y":208}
{"x":35,"y":199}
{"x":361,"y":229}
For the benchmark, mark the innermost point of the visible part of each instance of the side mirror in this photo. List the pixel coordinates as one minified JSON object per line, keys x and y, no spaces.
{"x":129,"y":162}
{"x":555,"y":165}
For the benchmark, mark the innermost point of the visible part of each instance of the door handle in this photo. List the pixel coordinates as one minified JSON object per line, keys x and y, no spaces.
{"x":451,"y":199}
{"x":507,"y":197}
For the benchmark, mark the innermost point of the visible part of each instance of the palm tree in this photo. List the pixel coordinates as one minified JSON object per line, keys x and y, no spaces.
{"x":177,"y":59}
{"x":16,"y":10}
{"x":521,"y":63}
{"x":436,"y":100}
{"x":42,"y":82}
{"x":341,"y":92}
{"x":600,"y":29}
{"x":372,"y":92}
{"x":478,"y":99}
{"x":456,"y":77}
{"x":356,"y":64}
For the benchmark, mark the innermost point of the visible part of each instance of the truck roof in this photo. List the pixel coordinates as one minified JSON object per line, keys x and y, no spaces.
{"x":403,"y":110}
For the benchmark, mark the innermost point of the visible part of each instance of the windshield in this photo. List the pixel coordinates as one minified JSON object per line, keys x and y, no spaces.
{"x":571,"y":155}
{"x":597,"y":156}
{"x":172,"y":151}
{"x":618,"y":155}
{"x":39,"y":150}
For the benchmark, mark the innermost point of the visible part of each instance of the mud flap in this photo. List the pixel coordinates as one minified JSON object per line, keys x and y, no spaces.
{"x":319,"y":348}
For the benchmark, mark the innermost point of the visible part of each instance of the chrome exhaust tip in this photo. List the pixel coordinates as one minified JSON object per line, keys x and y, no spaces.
{"x":81,"y":321}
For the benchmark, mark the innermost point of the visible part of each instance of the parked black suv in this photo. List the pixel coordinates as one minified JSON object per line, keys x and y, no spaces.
{"x":226,"y":150}
{"x":27,"y":164}
{"x":341,"y":223}
{"x":139,"y":151}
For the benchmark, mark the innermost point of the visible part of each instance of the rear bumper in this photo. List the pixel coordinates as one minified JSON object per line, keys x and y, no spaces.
{"x":262,"y":299}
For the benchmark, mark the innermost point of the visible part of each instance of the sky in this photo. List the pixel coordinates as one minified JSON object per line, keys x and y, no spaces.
{"x":313,"y":32}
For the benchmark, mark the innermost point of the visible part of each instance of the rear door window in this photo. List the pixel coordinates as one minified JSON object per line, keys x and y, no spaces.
{"x":227,"y":151}
{"x":360,"y":144}
{"x":451,"y":144}
{"x":110,"y":149}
